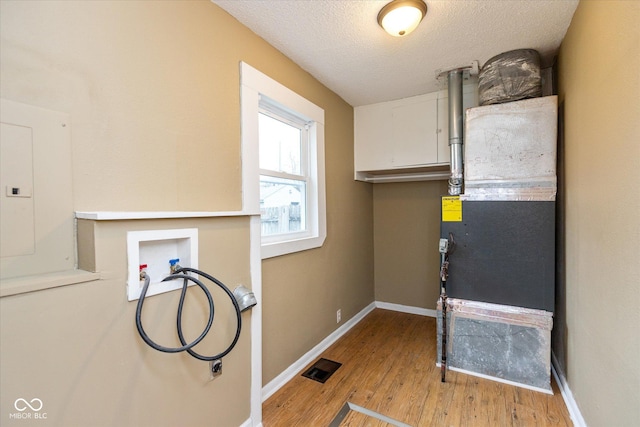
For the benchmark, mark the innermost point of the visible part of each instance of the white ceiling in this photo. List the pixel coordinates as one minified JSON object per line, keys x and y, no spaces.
{"x":340,"y":43}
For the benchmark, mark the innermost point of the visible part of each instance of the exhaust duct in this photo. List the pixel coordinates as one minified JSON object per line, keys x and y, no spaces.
{"x":454,"y":83}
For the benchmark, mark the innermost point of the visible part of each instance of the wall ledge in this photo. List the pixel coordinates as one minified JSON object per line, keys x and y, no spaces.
{"x":22,"y":285}
{"x":125,"y":215}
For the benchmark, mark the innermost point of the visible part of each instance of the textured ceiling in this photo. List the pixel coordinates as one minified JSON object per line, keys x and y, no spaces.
{"x":340,"y":43}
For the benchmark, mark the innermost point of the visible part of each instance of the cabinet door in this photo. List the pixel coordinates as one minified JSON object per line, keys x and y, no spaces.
{"x":372,"y":132}
{"x":414,"y":133}
{"x":444,"y":152}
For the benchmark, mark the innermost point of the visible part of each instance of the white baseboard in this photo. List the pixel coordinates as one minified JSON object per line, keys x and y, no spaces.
{"x":567,"y":396}
{"x":279,"y":381}
{"x":248,"y":424}
{"x":406,"y":309}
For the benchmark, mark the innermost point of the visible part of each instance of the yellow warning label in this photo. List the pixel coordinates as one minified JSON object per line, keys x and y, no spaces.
{"x":451,"y":209}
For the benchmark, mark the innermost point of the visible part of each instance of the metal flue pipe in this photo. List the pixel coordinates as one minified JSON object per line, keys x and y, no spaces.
{"x":454,"y":81}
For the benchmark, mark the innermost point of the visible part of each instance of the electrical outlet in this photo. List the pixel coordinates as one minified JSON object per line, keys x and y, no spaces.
{"x":215,"y":369}
{"x":338,"y":316}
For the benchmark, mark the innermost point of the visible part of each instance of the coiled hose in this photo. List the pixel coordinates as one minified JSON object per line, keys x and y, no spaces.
{"x":181,"y":273}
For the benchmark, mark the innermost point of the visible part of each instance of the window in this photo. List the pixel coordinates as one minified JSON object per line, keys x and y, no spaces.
{"x":283,"y":155}
{"x":283,"y":174}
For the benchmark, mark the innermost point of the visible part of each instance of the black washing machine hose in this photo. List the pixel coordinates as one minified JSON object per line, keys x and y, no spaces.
{"x":181,"y":273}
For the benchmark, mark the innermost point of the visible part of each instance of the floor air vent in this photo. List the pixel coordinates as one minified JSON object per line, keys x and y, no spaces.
{"x":322,"y":370}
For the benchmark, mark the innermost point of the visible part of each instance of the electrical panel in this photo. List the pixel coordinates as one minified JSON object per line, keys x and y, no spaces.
{"x":16,"y":181}
{"x":36,"y":217}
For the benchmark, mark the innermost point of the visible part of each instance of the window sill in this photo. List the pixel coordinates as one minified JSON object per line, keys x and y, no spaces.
{"x":22,"y":285}
{"x":271,"y":250}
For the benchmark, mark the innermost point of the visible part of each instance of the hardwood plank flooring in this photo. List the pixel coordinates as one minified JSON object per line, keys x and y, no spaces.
{"x":388,"y":366}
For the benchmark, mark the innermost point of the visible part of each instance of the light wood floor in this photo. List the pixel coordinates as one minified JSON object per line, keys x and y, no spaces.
{"x":388,"y":366}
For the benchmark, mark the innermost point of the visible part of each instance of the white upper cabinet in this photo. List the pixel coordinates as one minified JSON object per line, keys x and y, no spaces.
{"x":405,"y":139}
{"x":414,"y":132}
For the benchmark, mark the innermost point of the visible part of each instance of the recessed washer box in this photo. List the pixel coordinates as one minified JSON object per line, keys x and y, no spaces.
{"x":155,"y":248}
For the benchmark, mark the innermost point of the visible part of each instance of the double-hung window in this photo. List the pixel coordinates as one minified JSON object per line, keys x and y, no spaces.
{"x":284,"y":174}
{"x":283,"y":136}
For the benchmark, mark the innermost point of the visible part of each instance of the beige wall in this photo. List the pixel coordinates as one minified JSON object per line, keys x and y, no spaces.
{"x":152,"y":89}
{"x":407,"y":230}
{"x":597,"y":339}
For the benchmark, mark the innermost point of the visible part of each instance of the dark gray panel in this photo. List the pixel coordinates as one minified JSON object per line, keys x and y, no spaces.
{"x":505,"y":253}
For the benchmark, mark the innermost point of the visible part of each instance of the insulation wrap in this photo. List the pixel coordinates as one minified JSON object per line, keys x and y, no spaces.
{"x":510,"y":76}
{"x":504,"y":343}
{"x":510,"y":151}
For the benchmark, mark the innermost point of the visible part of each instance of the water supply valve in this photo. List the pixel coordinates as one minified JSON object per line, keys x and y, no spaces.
{"x":143,"y":271}
{"x":173,"y":265}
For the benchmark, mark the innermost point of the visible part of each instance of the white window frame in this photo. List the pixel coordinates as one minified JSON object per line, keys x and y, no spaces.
{"x":256,"y":91}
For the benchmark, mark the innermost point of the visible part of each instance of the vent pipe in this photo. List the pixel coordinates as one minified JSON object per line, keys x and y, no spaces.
{"x":454,"y":83}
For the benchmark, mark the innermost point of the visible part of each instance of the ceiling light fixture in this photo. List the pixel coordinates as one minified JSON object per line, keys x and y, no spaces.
{"x":400,"y":17}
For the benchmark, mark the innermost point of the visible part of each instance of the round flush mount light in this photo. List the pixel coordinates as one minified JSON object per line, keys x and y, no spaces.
{"x":400,"y":17}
